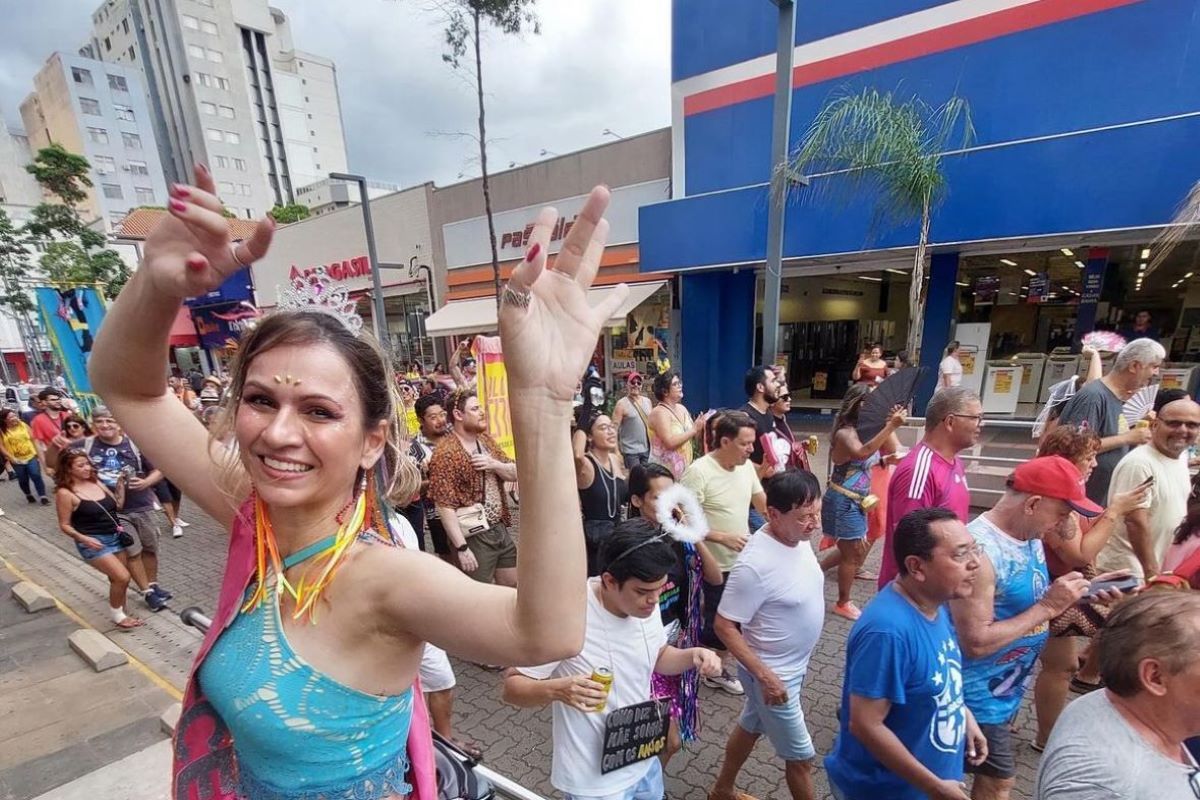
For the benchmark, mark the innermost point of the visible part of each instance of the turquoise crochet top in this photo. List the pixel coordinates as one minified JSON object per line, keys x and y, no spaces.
{"x":299,"y":734}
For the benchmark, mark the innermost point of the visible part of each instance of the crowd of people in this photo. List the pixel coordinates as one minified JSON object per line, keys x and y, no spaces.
{"x":691,"y":559}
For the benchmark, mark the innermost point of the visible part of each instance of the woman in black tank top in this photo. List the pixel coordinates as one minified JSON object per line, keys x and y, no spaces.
{"x":600,"y":477}
{"x":87,"y":512}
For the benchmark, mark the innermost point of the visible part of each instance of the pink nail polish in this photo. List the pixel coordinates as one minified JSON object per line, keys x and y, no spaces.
{"x":195,"y":264}
{"x":533,"y":252}
{"x":179,"y":190}
{"x":178,"y":205}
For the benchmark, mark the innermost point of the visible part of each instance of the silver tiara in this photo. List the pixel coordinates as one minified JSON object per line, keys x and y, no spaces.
{"x":316,"y":291}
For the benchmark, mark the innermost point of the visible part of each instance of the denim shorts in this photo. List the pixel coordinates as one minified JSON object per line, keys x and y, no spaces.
{"x":111,"y":545}
{"x":783,"y":725}
{"x":649,"y":787}
{"x":842,"y":517}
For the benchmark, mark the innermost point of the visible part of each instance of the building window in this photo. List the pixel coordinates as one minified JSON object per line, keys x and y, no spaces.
{"x":112,"y":191}
{"x":206,"y":3}
{"x":105,"y":165}
{"x":132,"y":55}
{"x":239,"y":164}
{"x":203,"y":79}
{"x":214,"y":135}
{"x":139,"y":168}
{"x":225,"y":111}
{"x":132,"y":141}
{"x":98,"y":135}
{"x":215,"y":56}
{"x":89,"y":106}
{"x":209,"y":108}
{"x":107,"y":44}
{"x":208,"y":27}
{"x":190,"y":22}
{"x":81,"y":76}
{"x":222,"y":83}
{"x":222,"y":162}
{"x":124,"y":113}
{"x":244,"y":189}
{"x":196,"y":51}
{"x":145,"y":195}
{"x":226,"y":187}
{"x":125,"y":24}
{"x":232,"y":137}
{"x":118,"y":83}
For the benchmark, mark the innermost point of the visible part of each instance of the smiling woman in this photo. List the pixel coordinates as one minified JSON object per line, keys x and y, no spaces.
{"x":323,"y":616}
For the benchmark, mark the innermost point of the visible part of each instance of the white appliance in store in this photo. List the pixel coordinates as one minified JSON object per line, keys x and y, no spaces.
{"x":1058,"y":369}
{"x":1031,"y":381}
{"x":1179,"y":376}
{"x":1002,"y":387}
{"x":973,"y":339}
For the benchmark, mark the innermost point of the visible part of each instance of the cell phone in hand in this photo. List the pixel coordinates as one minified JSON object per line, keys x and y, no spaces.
{"x":1148,"y":482}
{"x":1124,"y":585}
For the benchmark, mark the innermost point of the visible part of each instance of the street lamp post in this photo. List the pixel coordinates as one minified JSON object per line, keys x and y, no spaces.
{"x":378,"y":312}
{"x":773,"y":277}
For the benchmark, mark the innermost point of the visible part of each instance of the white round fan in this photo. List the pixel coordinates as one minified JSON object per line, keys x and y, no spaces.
{"x":1140,"y":404}
{"x":1060,"y":393}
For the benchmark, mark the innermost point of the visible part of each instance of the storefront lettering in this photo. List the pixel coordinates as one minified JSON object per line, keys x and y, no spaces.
{"x":338,"y":270}
{"x":519,"y":239}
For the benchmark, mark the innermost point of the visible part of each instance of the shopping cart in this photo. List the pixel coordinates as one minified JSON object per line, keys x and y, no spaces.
{"x":460,"y":777}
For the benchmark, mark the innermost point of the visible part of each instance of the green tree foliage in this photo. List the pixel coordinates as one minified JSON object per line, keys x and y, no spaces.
{"x":14,"y":265}
{"x":465,"y":21}
{"x":73,"y":252}
{"x":292,"y":212}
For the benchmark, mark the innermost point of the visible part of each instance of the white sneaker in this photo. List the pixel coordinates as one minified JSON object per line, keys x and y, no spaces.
{"x":180,"y":523}
{"x":726,"y":683}
{"x":176,"y":532}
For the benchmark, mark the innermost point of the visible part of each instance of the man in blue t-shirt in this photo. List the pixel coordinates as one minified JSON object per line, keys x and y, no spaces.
{"x":904,"y":722}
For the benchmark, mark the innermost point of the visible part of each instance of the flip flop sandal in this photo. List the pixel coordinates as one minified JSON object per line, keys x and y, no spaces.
{"x":1038,"y":748}
{"x":866,"y":575}
{"x":473,"y":749}
{"x":129,"y":623}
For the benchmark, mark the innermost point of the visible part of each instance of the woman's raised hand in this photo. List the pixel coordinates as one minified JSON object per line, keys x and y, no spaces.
{"x":548,"y":329}
{"x":191,"y":252}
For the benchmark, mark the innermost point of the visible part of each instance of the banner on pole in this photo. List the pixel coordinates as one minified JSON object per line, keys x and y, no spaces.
{"x":493,"y":391}
{"x":72,"y":318}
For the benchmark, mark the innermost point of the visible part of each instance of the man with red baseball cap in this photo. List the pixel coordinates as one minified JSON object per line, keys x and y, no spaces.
{"x":1003,"y":625}
{"x":631,"y":416}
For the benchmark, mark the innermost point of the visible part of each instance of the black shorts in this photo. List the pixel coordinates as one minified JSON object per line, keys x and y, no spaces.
{"x":1002,"y":760}
{"x":712,"y":598}
{"x":167,"y":492}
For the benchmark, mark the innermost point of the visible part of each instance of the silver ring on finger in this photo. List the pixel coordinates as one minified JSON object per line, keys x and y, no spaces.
{"x":518,"y":298}
{"x":233,"y":246}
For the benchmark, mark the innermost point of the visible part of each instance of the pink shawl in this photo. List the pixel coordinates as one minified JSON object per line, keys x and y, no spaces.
{"x":205,"y":767}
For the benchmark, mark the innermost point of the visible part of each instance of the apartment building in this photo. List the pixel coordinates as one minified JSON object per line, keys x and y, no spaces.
{"x":98,"y":110}
{"x":229,"y":89}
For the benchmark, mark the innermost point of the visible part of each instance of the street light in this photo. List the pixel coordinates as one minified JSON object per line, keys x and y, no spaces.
{"x":611,"y":132}
{"x":546,"y":152}
{"x":377,"y":288}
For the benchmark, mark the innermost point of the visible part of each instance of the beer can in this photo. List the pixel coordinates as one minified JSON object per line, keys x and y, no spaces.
{"x":811,"y":445}
{"x":604,"y":677}
{"x":1142,"y":423}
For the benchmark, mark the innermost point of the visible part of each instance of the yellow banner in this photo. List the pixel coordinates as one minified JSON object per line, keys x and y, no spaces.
{"x":493,"y":391}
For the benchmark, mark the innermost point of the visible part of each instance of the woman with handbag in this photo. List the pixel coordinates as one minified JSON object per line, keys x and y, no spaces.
{"x":1060,"y":661}
{"x":848,"y":496}
{"x":87,"y":512}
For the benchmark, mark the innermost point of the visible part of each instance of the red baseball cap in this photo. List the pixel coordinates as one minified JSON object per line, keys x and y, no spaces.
{"x":633,"y":373}
{"x":1054,"y":476}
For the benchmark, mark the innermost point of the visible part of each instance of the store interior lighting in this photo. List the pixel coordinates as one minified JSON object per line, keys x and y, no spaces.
{"x":1142,"y":267}
{"x":1145,"y":253}
{"x":1030,"y":273}
{"x":1009,"y":262}
{"x":896,"y":271}
{"x":871,"y":278}
{"x":960,"y":283}
{"x":1080,"y":264}
{"x":1066,"y":251}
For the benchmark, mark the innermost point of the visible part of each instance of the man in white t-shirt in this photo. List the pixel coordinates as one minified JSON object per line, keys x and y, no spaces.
{"x":726,"y":483}
{"x":1141,"y":538}
{"x":950,"y":371}
{"x":775,"y":593}
{"x":610,"y":753}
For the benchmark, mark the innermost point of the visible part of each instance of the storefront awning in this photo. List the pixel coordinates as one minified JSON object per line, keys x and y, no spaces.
{"x":183,"y":332}
{"x":479,"y":315}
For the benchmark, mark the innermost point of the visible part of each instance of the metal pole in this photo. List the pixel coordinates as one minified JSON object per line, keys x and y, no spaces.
{"x":377,"y":314}
{"x":773,"y":279}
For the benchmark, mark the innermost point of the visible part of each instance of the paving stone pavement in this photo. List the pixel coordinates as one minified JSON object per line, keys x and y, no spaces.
{"x":516,"y":741}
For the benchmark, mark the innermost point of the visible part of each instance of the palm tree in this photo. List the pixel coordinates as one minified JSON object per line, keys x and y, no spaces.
{"x":879,"y":142}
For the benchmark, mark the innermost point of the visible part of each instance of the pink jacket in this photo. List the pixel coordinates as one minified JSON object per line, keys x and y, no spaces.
{"x":205,"y":767}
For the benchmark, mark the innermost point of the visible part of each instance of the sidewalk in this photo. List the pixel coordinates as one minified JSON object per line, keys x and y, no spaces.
{"x":62,"y":721}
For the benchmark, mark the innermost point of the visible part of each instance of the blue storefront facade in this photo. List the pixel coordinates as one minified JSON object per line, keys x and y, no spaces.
{"x":1087,"y":114}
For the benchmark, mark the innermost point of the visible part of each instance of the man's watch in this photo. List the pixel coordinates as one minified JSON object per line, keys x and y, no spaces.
{"x":462,"y":548}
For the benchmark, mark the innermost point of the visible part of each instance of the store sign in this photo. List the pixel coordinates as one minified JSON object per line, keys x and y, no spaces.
{"x":355,"y":267}
{"x":220,"y":325}
{"x":1093,"y":280}
{"x":467,"y":240}
{"x":493,"y":392}
{"x":1039,"y":284}
{"x":236,"y":288}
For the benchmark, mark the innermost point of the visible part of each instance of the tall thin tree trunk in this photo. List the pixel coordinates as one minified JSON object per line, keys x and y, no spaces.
{"x":487,"y":189}
{"x":916,"y":295}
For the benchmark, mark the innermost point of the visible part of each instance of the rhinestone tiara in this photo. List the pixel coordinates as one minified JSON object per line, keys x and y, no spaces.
{"x":316,"y":291}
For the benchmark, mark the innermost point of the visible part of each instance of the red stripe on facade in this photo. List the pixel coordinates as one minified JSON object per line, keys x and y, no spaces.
{"x":939,"y":40}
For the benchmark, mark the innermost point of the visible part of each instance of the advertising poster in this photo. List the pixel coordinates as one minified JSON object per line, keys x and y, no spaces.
{"x":71,"y":318}
{"x":493,"y":391}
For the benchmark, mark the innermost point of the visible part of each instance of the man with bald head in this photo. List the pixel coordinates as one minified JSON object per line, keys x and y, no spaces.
{"x":1140,"y":540}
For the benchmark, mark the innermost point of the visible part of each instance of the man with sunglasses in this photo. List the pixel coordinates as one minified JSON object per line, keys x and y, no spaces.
{"x":1140,"y":539}
{"x":632,"y":418}
{"x":931,"y":474}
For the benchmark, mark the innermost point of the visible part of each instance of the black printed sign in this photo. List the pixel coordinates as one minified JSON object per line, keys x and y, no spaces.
{"x":634,"y":733}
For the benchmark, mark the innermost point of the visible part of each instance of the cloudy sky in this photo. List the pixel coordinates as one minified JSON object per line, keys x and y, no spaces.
{"x":597,"y":64}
